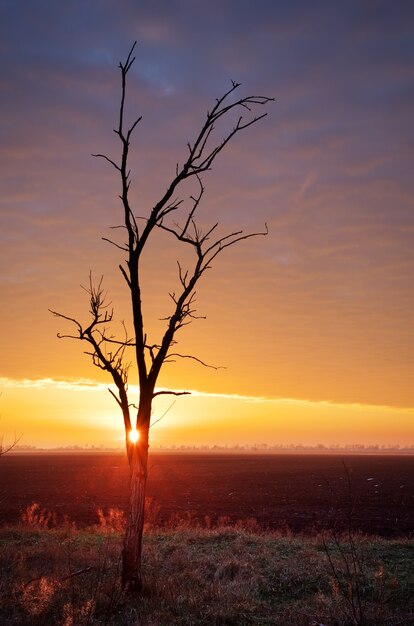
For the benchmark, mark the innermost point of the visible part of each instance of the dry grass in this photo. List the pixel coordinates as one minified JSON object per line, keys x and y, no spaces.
{"x":216,"y":577}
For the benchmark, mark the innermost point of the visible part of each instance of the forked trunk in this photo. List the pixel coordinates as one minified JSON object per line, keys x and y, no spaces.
{"x":131,"y":553}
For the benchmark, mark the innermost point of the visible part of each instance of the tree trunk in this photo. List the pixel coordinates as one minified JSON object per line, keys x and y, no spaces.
{"x":131,"y":553}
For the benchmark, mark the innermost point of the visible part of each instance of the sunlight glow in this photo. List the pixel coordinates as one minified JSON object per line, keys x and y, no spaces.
{"x":86,"y":419}
{"x":133,"y":435}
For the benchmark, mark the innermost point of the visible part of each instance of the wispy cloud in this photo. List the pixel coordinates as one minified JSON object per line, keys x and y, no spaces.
{"x":81,"y":384}
{"x":88,"y":385}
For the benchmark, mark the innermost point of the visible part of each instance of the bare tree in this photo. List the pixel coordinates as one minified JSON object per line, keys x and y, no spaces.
{"x":108,"y":352}
{"x":5,"y":449}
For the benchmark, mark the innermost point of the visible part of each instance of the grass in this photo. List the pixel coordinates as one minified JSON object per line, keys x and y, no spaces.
{"x":225,"y":576}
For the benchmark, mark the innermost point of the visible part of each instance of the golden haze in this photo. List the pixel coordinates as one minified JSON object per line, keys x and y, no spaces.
{"x":52,"y":413}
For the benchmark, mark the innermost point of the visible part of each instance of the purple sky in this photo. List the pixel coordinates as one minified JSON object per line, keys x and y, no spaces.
{"x":321,"y":309}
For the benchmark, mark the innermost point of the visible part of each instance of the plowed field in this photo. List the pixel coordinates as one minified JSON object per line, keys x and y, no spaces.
{"x":302,"y":492}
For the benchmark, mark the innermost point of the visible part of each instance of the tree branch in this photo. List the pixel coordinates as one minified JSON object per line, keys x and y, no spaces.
{"x":193,"y":358}
{"x":109,"y":361}
{"x":103,"y":156}
{"x":171,"y":393}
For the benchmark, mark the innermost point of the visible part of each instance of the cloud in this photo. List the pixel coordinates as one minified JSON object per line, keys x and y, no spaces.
{"x":88,"y":385}
{"x":82,"y":384}
{"x":329,"y":290}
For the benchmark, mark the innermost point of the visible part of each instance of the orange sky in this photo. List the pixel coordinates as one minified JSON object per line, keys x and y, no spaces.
{"x":314,"y":323}
{"x":61,"y":414}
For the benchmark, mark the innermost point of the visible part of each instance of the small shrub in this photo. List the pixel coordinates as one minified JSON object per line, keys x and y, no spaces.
{"x":250,"y":525}
{"x":78,"y":616}
{"x":37,"y":595}
{"x":113,"y":521}
{"x":38,"y":517}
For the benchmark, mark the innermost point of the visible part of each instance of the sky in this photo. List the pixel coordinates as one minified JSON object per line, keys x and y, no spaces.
{"x":312,"y":326}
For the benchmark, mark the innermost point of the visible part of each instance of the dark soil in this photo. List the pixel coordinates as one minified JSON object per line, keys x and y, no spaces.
{"x":302,"y":492}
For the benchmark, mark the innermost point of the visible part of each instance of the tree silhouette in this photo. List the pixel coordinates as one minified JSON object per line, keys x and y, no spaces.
{"x":108,"y":352}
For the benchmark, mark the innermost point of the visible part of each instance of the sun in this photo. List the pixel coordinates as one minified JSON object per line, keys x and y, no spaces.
{"x":133,"y":435}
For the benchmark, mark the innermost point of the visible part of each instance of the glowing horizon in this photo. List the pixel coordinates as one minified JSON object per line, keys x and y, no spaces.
{"x":91,"y":417}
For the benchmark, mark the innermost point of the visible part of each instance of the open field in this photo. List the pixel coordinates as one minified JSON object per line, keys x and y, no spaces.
{"x":230,"y":541}
{"x":196,"y":577}
{"x":302,"y":492}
